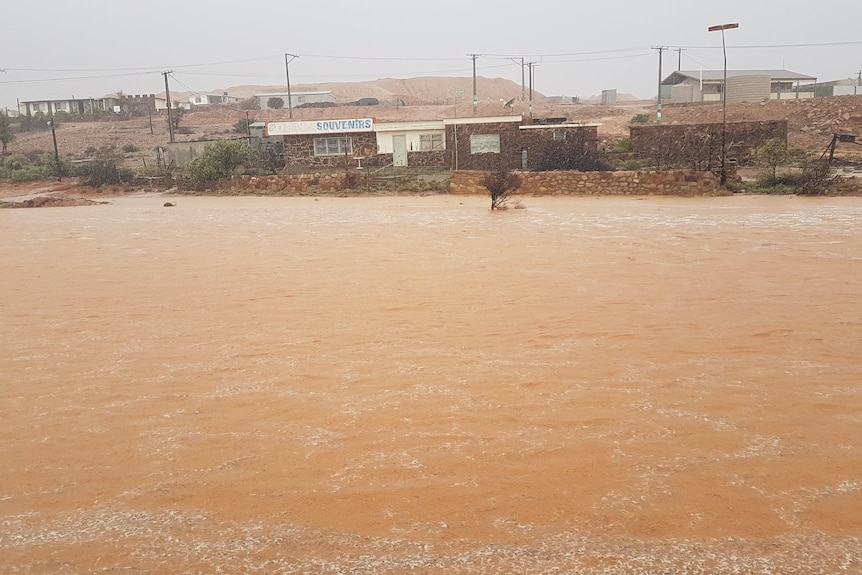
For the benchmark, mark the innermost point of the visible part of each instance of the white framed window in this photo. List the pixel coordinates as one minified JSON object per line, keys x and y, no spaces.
{"x":559,"y":135}
{"x":430,"y":142}
{"x":333,"y":146}
{"x":485,"y":144}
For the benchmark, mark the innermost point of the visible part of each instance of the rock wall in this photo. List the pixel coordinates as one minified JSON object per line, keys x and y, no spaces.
{"x":671,"y":183}
{"x":286,"y":185}
{"x":699,"y":145}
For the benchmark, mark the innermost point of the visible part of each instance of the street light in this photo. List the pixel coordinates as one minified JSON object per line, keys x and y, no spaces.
{"x":723,"y":27}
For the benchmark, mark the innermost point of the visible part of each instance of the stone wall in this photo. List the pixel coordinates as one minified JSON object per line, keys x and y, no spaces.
{"x":286,"y":185}
{"x":671,"y":183}
{"x":138,"y":104}
{"x":427,"y":159}
{"x":698,"y":146}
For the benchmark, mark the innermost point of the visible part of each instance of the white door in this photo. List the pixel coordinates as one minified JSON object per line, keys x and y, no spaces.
{"x":399,"y":151}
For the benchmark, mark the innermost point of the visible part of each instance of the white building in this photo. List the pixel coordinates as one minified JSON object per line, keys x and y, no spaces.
{"x":401,"y":138}
{"x":209,"y":99}
{"x":685,"y":86}
{"x":296,"y":99}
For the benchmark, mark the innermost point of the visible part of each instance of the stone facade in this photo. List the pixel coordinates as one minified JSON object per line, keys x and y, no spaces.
{"x":138,"y":104}
{"x":698,"y":146}
{"x":299,"y":150}
{"x":461,"y":158}
{"x":670,"y":183}
{"x":428,"y":159}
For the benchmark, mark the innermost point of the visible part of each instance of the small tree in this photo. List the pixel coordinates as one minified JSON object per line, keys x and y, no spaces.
{"x":275,"y":103}
{"x":815,"y":177}
{"x":241,"y":126}
{"x":501,"y":185}
{"x":771,"y":155}
{"x":6,"y":134}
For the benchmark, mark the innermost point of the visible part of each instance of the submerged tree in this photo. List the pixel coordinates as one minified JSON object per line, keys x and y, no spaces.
{"x":501,"y":185}
{"x":770,"y":156}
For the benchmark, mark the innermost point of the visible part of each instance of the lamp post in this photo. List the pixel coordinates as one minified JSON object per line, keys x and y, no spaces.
{"x":722,"y":28}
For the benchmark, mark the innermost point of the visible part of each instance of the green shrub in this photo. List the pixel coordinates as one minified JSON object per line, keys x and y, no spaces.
{"x":640,"y":119}
{"x":623,"y":146}
{"x":130,"y":148}
{"x":104,"y":173}
{"x":33,"y":173}
{"x":16,"y":162}
{"x":220,"y":160}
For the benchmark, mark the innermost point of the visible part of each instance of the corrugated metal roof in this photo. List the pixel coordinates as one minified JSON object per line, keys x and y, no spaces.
{"x":718,"y":75}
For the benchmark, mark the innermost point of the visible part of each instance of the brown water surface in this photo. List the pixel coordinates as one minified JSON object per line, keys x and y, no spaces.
{"x":380,"y":385}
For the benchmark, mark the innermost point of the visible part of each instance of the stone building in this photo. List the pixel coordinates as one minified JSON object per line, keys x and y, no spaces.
{"x":472,"y":143}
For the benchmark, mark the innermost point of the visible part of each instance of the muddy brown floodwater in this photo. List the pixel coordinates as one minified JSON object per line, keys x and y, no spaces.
{"x":414,"y":384}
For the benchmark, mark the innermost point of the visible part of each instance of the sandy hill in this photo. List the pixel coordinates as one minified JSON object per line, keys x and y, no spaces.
{"x":424,"y":90}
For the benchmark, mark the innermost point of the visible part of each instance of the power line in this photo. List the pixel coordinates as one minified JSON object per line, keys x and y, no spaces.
{"x":66,"y":79}
{"x":758,"y":46}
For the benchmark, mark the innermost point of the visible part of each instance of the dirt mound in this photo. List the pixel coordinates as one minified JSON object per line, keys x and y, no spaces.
{"x":412,"y":91}
{"x":810,"y":122}
{"x":50,"y":202}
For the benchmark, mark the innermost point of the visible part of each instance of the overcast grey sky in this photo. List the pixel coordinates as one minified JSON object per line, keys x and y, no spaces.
{"x":54,"y":48}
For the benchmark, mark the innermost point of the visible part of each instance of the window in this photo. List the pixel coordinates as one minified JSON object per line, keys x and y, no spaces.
{"x":485,"y":144}
{"x":559,"y":135}
{"x":333,"y":146}
{"x":430,"y":142}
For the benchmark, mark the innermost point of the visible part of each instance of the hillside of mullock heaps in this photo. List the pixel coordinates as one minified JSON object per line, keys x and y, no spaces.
{"x":134,"y":141}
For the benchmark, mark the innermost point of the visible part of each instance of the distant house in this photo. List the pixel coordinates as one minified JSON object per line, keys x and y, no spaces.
{"x":296,"y":99}
{"x":210,"y":99}
{"x":846,"y":87}
{"x":73,"y":106}
{"x":161,"y":104}
{"x":137,"y":104}
{"x":686,"y":86}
